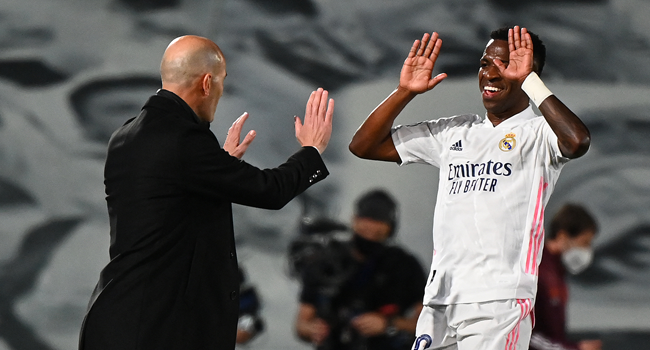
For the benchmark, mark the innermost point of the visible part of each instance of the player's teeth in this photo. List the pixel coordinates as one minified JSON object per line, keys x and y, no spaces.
{"x":491,"y":88}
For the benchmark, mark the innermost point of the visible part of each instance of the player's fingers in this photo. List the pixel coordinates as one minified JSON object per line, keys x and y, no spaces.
{"x":511,"y":40}
{"x":436,"y":50}
{"x":517,"y":36}
{"x":527,"y":40}
{"x":500,"y":65}
{"x":414,"y":49}
{"x":430,"y":45}
{"x":423,"y":44}
{"x":437,"y":80}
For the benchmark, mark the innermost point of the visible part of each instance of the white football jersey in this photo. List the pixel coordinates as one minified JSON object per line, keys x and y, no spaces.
{"x":488,"y":229}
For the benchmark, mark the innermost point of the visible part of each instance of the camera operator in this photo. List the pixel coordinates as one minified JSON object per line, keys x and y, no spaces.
{"x":366,"y":293}
{"x":250,"y":323}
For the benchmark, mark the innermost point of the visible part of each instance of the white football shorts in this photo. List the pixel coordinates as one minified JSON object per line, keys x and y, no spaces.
{"x":493,"y":325}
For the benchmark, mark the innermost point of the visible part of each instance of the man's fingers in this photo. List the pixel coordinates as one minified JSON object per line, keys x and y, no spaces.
{"x":330,"y":111}
{"x":297,"y":125}
{"x":248,"y":139}
{"x":322,"y":106}
{"x":309,"y":104}
{"x":242,"y":118}
{"x":238,"y":124}
{"x":314,"y":106}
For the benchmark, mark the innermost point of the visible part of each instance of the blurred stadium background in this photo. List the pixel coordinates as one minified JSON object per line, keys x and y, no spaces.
{"x":71,"y":71}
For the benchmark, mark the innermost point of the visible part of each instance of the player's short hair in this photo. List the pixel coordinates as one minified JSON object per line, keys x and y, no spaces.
{"x":377,"y":205}
{"x":573,"y":219}
{"x":539,"y":49}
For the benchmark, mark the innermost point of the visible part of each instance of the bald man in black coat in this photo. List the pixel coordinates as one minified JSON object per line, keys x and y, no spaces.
{"x":173,"y":282}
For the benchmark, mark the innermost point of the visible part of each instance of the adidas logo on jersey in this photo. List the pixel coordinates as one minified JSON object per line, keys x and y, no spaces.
{"x":458,"y":146}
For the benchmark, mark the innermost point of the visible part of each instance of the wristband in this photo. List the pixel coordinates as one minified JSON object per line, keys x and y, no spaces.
{"x":535,"y":89}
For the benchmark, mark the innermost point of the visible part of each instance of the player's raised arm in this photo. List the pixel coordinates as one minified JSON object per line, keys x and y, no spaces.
{"x":373,"y":140}
{"x":572,"y":134}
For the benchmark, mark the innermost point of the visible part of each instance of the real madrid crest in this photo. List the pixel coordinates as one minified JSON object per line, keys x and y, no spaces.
{"x":508,"y":143}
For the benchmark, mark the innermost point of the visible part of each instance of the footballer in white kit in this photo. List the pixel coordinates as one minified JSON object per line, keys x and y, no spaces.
{"x":497,"y":172}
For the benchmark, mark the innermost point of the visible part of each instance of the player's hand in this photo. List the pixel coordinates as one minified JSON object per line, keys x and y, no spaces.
{"x":232,"y":145}
{"x":317,"y":127}
{"x":590,"y":345}
{"x":318,"y":331}
{"x":418,"y":66}
{"x":520,"y":45}
{"x":370,"y":324}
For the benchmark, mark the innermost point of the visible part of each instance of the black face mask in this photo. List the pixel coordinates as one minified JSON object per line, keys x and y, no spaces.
{"x":366,"y":247}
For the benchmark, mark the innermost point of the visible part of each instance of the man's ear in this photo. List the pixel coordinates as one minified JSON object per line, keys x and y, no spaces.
{"x":206,"y":84}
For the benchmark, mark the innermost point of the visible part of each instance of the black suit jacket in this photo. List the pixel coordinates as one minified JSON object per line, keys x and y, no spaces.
{"x":172,"y":281}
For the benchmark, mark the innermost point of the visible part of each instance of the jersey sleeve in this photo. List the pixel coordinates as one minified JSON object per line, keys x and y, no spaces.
{"x":419,"y":143}
{"x":557,"y":159}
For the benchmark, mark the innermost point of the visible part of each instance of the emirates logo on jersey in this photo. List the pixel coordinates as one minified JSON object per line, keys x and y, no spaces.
{"x":508,"y":143}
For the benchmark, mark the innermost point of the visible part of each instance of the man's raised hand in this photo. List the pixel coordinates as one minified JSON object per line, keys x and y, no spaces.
{"x":232,"y":145}
{"x":520,"y":45}
{"x":418,"y":66}
{"x":317,"y":127}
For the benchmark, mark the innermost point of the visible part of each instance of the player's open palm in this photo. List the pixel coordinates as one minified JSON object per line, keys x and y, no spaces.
{"x":418,"y":66}
{"x":520,"y":45}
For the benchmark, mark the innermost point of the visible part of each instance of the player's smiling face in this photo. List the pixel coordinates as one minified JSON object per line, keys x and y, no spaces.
{"x":501,"y":98}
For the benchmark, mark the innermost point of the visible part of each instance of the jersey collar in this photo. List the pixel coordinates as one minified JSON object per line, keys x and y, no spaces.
{"x":519,"y":118}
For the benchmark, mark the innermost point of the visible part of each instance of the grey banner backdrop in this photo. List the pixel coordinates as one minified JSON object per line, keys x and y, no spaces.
{"x":71,"y":71}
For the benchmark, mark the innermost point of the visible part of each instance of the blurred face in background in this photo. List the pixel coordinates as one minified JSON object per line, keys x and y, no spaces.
{"x":371,"y":230}
{"x":369,"y":236}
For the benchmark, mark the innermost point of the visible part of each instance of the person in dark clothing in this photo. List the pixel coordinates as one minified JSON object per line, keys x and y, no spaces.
{"x":250,"y":323}
{"x":373,"y":300}
{"x":173,"y":278}
{"x":567,"y":248}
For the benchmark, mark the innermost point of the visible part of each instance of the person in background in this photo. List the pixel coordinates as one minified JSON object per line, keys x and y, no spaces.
{"x":369,"y":298}
{"x":250,"y":323}
{"x":567,"y":248}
